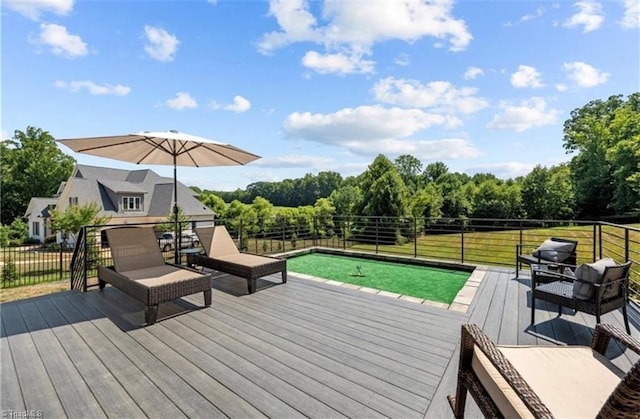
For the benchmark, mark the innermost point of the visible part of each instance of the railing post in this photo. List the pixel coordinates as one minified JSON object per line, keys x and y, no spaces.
{"x":415,"y":237}
{"x":377,"y":223}
{"x":315,"y":230}
{"x":599,"y":241}
{"x":461,"y":240}
{"x":61,"y":268}
{"x":626,"y":245}
{"x":84,"y":264}
{"x":344,"y":234}
{"x":595,"y":226}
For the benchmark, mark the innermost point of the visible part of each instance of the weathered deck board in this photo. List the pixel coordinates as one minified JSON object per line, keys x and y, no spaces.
{"x":303,"y":349}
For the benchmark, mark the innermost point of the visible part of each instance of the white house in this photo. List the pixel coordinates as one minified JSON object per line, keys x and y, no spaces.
{"x":127,"y":196}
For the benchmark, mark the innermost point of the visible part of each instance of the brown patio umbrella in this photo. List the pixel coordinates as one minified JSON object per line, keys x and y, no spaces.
{"x":164,"y":148}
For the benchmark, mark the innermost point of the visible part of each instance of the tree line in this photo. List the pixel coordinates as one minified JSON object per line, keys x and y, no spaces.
{"x":601,"y":179}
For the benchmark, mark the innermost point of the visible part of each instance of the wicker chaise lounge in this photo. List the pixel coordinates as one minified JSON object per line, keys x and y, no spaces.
{"x":547,"y":381}
{"x":223,"y":255}
{"x":140,"y":271}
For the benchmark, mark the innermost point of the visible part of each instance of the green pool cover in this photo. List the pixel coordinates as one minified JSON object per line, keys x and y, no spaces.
{"x":429,"y":283}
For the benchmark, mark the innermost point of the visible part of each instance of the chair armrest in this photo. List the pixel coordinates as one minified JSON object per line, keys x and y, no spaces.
{"x":604,"y":334}
{"x":472,"y":334}
{"x":560,"y":276}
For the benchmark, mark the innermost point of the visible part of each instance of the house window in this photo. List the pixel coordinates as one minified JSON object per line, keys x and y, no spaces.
{"x":36,"y":228}
{"x":131,"y":203}
{"x":73,"y":200}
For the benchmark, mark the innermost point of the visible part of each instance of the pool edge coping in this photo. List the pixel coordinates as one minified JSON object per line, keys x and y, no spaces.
{"x":461,"y":302}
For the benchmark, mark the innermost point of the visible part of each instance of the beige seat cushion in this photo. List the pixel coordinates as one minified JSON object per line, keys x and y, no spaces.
{"x":572,"y":381}
{"x":160,"y":275}
{"x":247,"y":259}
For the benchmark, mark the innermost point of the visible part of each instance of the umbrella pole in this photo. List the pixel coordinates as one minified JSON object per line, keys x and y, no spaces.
{"x":175,"y":208}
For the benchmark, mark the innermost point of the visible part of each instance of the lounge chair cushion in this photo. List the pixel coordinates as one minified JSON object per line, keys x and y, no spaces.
{"x":160,"y":275}
{"x":555,"y":251}
{"x":572,"y":381}
{"x":592,"y":273}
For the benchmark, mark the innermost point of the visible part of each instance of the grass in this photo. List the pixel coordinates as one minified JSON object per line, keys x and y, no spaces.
{"x":435,"y":284}
{"x":20,"y":293}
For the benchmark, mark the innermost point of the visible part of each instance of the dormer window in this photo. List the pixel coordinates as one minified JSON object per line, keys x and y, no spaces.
{"x":131,"y":203}
{"x":73,"y":201}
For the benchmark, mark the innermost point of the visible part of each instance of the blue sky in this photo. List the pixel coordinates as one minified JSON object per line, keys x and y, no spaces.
{"x":483,"y":86}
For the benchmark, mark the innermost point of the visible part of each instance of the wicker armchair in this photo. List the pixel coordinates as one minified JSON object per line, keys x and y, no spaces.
{"x":607,"y":293}
{"x":140,"y":271}
{"x":223,"y":255}
{"x":564,"y":253}
{"x":546,"y":381}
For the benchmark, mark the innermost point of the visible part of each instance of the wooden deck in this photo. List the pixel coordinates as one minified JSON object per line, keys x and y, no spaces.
{"x":303,"y":349}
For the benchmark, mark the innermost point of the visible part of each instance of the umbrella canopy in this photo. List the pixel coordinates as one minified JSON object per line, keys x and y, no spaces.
{"x":164,"y":148}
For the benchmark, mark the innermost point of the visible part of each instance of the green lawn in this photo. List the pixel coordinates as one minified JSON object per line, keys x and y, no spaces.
{"x":435,"y":284}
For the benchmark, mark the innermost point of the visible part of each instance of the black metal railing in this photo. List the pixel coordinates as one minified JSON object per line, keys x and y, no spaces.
{"x":471,"y":241}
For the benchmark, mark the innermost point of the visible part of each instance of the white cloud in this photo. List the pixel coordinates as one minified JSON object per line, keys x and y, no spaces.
{"x":528,"y":114}
{"x":161,"y":45}
{"x":182,"y":101}
{"x":294,"y":161}
{"x":631,"y":18}
{"x":364,"y":122}
{"x":561,"y":87}
{"x":339,"y":63}
{"x":239,"y":105}
{"x":352,"y":30}
{"x":60,"y":41}
{"x":530,"y":16}
{"x":370,"y":130}
{"x":473,"y":72}
{"x":584,"y":75}
{"x":32,"y":9}
{"x":440,"y":95}
{"x":526,"y":76}
{"x":589,"y":15}
{"x":93,"y":88}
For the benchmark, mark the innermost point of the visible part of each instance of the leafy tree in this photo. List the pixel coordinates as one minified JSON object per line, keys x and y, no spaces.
{"x":604,"y":136}
{"x":264,"y":213}
{"x":74,"y":217}
{"x":384,"y":192}
{"x":547,"y":194}
{"x":32,"y":165}
{"x":327,"y":183}
{"x":346,"y":200}
{"x":427,"y":202}
{"x":409,"y":167}
{"x":494,"y":199}
{"x":435,"y":172}
{"x":215,"y":202}
{"x":169,"y":225}
{"x":324,"y":211}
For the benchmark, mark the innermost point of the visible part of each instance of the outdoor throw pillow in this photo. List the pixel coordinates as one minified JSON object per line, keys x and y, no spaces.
{"x":554,"y":251}
{"x":590,"y":272}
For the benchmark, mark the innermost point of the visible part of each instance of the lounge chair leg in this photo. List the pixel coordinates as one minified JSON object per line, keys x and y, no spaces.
{"x":626,"y":319}
{"x":284,"y":277}
{"x":251,"y":284}
{"x":533,"y":310}
{"x":101,"y":283}
{"x":151,"y":314}
{"x":207,"y":298}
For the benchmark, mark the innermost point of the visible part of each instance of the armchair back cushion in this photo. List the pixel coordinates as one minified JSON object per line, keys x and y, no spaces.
{"x":592,"y":273}
{"x":555,"y":251}
{"x":572,"y":381}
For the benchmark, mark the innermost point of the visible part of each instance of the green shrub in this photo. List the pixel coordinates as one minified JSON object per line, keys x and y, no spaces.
{"x":9,"y":271}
